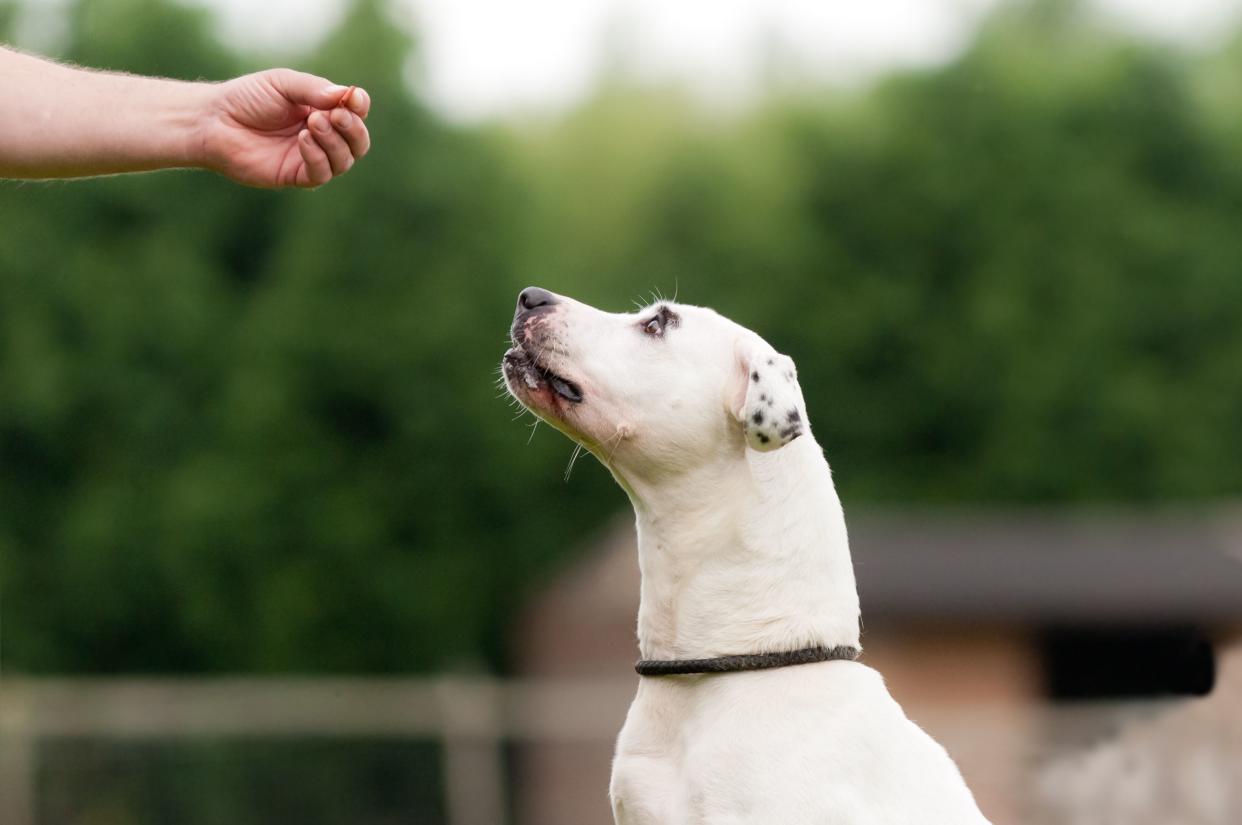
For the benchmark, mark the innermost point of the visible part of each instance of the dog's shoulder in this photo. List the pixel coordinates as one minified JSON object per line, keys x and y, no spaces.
{"x":835,"y":726}
{"x":823,"y":738}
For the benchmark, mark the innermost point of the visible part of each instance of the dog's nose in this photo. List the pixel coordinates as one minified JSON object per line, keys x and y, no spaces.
{"x":533,"y":297}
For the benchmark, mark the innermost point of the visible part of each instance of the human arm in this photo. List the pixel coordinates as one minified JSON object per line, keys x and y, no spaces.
{"x":273,"y":128}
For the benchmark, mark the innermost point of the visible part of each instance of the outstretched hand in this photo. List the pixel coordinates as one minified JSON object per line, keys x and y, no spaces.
{"x":284,"y":128}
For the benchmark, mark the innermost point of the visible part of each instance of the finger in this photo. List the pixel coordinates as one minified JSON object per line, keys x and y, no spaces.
{"x":354,"y":131}
{"x":306,"y":89}
{"x":331,"y":142}
{"x":357,"y":101}
{"x":316,"y":170}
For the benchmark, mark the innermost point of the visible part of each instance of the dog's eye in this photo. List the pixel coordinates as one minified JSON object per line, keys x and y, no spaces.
{"x":663,"y":318}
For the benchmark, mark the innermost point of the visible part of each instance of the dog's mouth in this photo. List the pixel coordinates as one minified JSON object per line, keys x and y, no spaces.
{"x":522,"y":369}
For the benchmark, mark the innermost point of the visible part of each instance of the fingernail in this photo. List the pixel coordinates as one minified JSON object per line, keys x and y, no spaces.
{"x":341,"y":118}
{"x":335,"y":90}
{"x":320,"y":122}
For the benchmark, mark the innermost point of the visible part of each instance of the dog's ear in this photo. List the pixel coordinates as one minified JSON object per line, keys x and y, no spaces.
{"x":766,"y":399}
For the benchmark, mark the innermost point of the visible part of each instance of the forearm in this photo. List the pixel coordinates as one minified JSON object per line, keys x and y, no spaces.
{"x":68,"y":122}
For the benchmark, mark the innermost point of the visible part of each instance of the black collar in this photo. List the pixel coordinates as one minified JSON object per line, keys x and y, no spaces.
{"x":746,"y":661}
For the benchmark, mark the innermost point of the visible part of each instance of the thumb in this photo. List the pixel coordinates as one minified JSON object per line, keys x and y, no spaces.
{"x":306,"y":89}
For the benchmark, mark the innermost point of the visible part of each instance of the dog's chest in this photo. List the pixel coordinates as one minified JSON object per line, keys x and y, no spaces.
{"x":683,"y":759}
{"x":654,"y":779}
{"x":666,"y":790}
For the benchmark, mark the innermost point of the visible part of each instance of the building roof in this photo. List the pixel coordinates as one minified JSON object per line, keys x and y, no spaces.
{"x":1026,"y":566}
{"x":1050,"y":566}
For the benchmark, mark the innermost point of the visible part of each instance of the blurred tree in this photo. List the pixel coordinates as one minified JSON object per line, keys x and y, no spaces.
{"x":243,"y":430}
{"x":248,"y":431}
{"x":1008,"y":280}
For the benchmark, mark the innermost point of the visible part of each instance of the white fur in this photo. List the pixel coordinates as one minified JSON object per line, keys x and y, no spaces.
{"x":743,"y":549}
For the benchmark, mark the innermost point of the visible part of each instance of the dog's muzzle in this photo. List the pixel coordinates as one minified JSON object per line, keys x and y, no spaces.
{"x":520,"y":365}
{"x":522,"y":362}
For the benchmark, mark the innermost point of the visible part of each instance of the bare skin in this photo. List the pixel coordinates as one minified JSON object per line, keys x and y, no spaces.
{"x":271,"y":129}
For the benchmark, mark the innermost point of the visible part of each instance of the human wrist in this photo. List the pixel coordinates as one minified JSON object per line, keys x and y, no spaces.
{"x":189,"y":115}
{"x":160,"y":125}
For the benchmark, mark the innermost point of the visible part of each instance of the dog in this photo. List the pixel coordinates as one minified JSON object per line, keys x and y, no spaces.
{"x":753,"y":710}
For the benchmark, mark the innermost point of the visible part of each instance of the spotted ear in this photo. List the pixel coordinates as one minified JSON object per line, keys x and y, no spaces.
{"x":768,"y":401}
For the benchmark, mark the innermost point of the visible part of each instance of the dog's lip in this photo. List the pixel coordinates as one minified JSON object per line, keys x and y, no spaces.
{"x":519,"y":358}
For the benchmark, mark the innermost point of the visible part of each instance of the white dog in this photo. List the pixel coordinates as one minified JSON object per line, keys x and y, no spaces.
{"x":747,"y":585}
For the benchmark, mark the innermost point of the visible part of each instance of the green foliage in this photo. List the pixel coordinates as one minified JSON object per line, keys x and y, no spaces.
{"x":258,"y":431}
{"x":1011,"y":280}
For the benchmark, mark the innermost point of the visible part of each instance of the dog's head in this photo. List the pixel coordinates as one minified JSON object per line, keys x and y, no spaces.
{"x":669,"y":387}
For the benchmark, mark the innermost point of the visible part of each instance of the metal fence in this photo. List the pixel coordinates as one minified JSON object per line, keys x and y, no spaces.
{"x":471,"y":719}
{"x":1052,"y":765}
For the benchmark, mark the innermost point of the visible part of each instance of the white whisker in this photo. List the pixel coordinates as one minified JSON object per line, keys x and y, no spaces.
{"x":573,"y":459}
{"x":608,"y":461}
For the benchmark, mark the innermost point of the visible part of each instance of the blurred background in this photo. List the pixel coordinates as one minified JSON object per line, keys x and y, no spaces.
{"x":272,"y":549}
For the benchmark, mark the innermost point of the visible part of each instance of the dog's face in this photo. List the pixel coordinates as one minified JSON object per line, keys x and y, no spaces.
{"x":669,"y":387}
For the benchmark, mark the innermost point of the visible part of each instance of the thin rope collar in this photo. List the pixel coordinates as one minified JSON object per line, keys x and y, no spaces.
{"x":746,"y":661}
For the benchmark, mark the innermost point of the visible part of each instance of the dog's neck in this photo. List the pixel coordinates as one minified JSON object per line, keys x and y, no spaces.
{"x":746,"y":555}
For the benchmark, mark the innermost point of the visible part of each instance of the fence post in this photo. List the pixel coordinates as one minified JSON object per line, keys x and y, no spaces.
{"x":17,"y":762}
{"x":472,"y":737}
